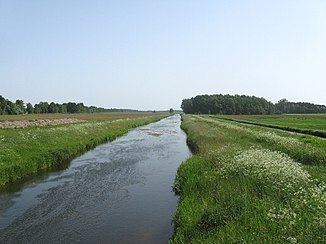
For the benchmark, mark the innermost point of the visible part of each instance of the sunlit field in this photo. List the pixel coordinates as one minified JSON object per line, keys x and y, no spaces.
{"x":81,"y":116}
{"x":250,"y":184}
{"x":304,"y":123}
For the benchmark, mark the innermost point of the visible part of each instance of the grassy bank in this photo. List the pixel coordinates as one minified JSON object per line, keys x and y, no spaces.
{"x":27,"y":151}
{"x":250,"y":184}
{"x":307,"y":124}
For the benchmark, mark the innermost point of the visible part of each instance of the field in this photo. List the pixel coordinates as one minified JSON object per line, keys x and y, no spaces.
{"x":302,"y":121}
{"x":27,"y":151}
{"x":80,"y":116}
{"x":308,"y":124}
{"x":250,"y":184}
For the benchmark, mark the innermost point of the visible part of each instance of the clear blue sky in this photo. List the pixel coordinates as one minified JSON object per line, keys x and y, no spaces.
{"x":151,"y":54}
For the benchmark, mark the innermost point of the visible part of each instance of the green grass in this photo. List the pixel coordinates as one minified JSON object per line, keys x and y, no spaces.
{"x":302,"y":121}
{"x":249,"y":184}
{"x":314,"y":124}
{"x":27,"y":151}
{"x":83,"y":116}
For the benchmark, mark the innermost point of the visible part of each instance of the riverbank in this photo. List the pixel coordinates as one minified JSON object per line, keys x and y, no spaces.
{"x":250,"y":184}
{"x":28,"y":151}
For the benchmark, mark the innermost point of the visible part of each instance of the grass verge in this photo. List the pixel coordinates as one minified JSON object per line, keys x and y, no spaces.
{"x":247,"y":184}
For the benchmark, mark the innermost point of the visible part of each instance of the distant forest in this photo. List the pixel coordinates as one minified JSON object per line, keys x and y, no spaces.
{"x":19,"y":107}
{"x":241,"y":104}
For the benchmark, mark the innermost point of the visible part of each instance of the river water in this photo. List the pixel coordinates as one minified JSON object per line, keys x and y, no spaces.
{"x":120,"y":192}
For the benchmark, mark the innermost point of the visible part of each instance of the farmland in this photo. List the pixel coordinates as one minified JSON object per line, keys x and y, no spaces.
{"x":301,"y":121}
{"x":250,"y":184}
{"x":307,"y":124}
{"x":29,"y":150}
{"x":81,"y":116}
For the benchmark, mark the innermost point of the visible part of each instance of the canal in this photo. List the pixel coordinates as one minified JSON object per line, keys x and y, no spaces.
{"x":120,"y":192}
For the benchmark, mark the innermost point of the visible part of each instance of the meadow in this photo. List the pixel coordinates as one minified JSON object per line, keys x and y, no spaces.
{"x":27,"y":151}
{"x":107,"y":116}
{"x":314,"y":124}
{"x":250,"y":184}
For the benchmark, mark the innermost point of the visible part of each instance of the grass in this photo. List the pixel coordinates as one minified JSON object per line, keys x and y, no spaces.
{"x":314,"y":124}
{"x":82,"y":116}
{"x":302,"y":121}
{"x":27,"y":151}
{"x":249,"y":184}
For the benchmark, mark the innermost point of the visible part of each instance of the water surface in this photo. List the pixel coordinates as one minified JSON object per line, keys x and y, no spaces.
{"x":120,"y":192}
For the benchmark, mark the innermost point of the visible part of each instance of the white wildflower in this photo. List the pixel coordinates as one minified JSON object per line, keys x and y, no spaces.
{"x":274,"y":169}
{"x":292,"y":239}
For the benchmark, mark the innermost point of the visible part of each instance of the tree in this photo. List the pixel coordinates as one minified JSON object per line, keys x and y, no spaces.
{"x":37,"y":109}
{"x":53,"y":108}
{"x":2,"y":104}
{"x":8,"y":107}
{"x":44,"y":107}
{"x":227,"y":104}
{"x":187,"y":106}
{"x":284,"y":106}
{"x":29,"y":108}
{"x":63,"y":108}
{"x":20,"y":106}
{"x":171,"y":111}
{"x":72,"y":108}
{"x":80,"y":108}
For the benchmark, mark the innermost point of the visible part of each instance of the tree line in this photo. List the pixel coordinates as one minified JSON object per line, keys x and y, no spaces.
{"x":241,"y":104}
{"x":286,"y":107}
{"x":19,"y":107}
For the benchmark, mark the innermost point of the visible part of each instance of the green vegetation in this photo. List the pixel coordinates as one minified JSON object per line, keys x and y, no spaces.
{"x":241,"y":104}
{"x":313,"y":124}
{"x":250,"y":184}
{"x":26,"y":151}
{"x":19,"y":107}
{"x":105,"y":116}
{"x":302,"y":121}
{"x":286,"y":107}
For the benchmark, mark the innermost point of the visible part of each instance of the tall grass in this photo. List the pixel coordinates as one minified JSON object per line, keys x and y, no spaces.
{"x":246,"y":185}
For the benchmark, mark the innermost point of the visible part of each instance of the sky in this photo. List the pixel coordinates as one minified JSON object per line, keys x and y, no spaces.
{"x":150,"y":54}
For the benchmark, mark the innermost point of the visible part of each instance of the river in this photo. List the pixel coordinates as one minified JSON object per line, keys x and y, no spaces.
{"x":119,"y":192}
